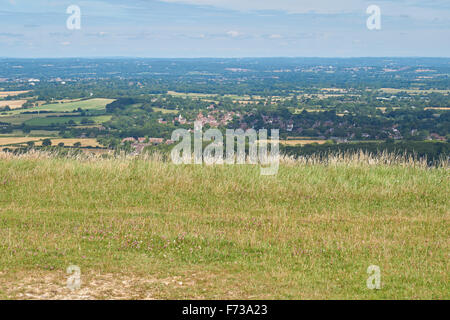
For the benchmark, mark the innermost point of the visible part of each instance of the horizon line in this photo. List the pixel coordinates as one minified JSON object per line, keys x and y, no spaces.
{"x":240,"y":57}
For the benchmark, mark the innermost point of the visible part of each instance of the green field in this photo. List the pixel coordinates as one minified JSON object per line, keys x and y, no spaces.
{"x":91,"y":104}
{"x":150,"y":229}
{"x":21,"y":118}
{"x":414,"y":91}
{"x":165,"y":111}
{"x":63,"y":120}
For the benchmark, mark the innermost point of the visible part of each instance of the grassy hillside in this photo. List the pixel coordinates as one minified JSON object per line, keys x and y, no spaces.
{"x":149,"y":229}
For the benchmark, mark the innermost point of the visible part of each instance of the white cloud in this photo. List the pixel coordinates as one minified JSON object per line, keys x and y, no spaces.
{"x":233,"y":34}
{"x":275,"y":36}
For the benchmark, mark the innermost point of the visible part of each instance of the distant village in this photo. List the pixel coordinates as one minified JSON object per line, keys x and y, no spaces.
{"x":213,"y":118}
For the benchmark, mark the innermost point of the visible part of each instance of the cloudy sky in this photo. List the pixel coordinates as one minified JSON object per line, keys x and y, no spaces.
{"x":224,"y":28}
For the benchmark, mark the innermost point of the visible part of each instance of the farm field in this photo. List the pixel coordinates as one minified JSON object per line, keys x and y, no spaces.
{"x":414,"y":91}
{"x":32,"y":133}
{"x":61,"y":120}
{"x":91,"y":104}
{"x":13,"y":104}
{"x":383,"y":109}
{"x":191,"y":94}
{"x":298,"y":110}
{"x":293,"y":142}
{"x":4,"y":141}
{"x":147,"y":229}
{"x":85,"y":142}
{"x":20,"y":118}
{"x":39,"y":133}
{"x":338,"y":90}
{"x":437,"y":108}
{"x":11,"y":93}
{"x":207,"y":95}
{"x":165,"y":111}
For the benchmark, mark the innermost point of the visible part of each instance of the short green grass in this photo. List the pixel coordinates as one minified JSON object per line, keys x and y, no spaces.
{"x":309,"y":232}
{"x":33,"y":133}
{"x":20,"y":118}
{"x":91,"y":104}
{"x":63,"y":120}
{"x":165,"y":111}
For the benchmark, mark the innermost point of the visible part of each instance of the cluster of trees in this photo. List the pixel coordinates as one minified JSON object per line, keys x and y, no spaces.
{"x":134,"y":118}
{"x":399,"y":124}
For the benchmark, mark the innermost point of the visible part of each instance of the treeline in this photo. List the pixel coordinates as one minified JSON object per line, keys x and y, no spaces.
{"x":432,"y":151}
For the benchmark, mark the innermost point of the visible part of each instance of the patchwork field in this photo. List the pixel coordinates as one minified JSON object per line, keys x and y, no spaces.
{"x":143,"y":228}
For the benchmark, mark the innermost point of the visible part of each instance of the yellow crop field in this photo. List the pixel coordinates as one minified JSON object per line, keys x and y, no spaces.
{"x":437,"y":108}
{"x":300,"y":142}
{"x":15,"y":140}
{"x":13,"y":104}
{"x":85,"y":142}
{"x":11,"y":93}
{"x":334,"y":90}
{"x":296,"y":142}
{"x":414,"y":91}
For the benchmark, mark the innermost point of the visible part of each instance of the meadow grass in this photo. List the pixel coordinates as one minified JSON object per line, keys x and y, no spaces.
{"x":146,"y":228}
{"x":90,"y":104}
{"x":20,"y":118}
{"x":165,"y":111}
{"x":64,"y":120}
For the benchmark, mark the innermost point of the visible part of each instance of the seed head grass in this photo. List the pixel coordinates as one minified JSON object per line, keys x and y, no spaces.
{"x":224,"y":231}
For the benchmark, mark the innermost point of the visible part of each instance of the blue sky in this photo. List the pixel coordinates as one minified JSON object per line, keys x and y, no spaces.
{"x":224,"y":28}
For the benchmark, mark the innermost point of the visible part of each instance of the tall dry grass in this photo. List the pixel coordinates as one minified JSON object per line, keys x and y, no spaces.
{"x":225,"y":231}
{"x":360,"y":158}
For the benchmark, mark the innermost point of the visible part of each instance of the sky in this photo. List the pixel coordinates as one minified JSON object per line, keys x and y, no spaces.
{"x":224,"y":28}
